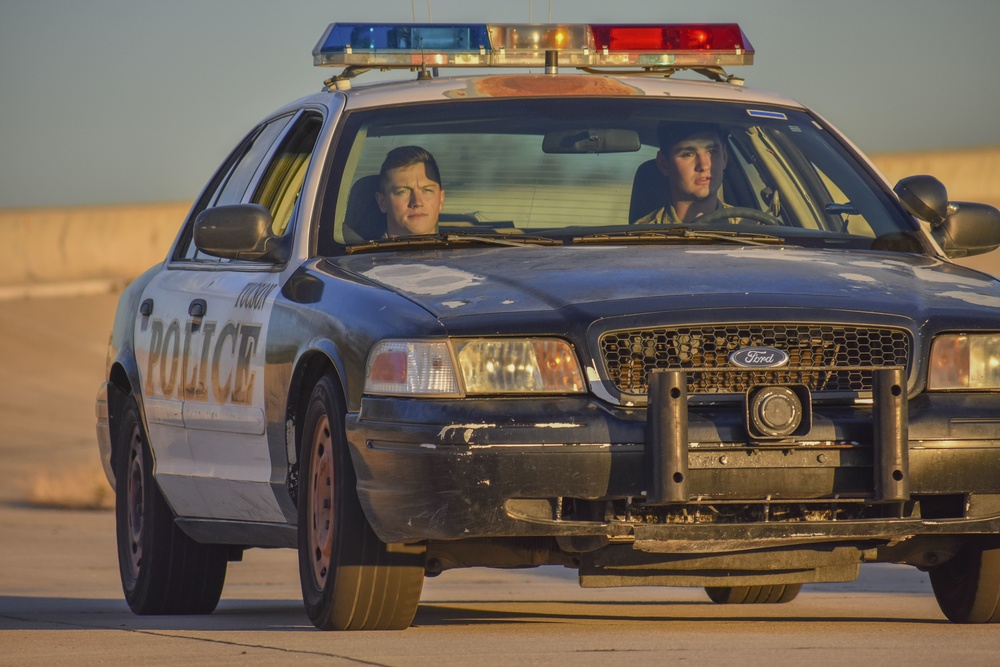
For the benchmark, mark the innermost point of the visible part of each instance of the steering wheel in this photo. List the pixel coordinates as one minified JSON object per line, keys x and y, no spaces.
{"x":724,"y":213}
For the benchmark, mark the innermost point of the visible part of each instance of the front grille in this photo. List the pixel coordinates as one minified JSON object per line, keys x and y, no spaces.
{"x":824,"y":357}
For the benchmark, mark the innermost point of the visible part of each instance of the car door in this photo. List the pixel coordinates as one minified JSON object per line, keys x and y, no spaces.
{"x":200,"y":341}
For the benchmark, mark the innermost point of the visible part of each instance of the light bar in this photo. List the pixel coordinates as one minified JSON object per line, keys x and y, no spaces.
{"x":409,"y":45}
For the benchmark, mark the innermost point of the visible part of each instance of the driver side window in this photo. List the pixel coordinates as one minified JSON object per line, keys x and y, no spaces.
{"x":231,"y":182}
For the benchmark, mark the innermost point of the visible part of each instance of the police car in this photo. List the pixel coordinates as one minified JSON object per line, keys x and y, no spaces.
{"x":656,"y":327}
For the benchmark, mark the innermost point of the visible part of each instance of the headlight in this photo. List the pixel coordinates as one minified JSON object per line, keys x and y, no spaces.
{"x":963,"y":361}
{"x":476,"y":366}
{"x":515,"y":366}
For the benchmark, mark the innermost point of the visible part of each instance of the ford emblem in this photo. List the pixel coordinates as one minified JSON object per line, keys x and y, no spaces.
{"x":758,"y":357}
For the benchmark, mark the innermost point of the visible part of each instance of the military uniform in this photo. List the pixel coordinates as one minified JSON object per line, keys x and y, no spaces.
{"x":667,"y":215}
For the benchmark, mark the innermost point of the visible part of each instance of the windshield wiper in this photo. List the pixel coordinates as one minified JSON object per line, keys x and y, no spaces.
{"x":451,"y":239}
{"x":674,"y":234}
{"x":498,"y":238}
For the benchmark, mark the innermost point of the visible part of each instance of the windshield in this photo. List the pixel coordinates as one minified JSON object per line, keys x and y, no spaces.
{"x":602,"y":170}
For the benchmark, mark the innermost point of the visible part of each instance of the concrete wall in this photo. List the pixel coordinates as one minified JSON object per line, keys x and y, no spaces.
{"x":43,"y":249}
{"x":46,"y":250}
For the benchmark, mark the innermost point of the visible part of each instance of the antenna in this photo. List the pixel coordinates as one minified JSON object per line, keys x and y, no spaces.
{"x":413,"y":9}
{"x":531,"y":12}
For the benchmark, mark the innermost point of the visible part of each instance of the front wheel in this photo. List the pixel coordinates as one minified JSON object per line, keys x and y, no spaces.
{"x":967,"y":587}
{"x":163,"y":571}
{"x":774,"y":594}
{"x":350,"y":579}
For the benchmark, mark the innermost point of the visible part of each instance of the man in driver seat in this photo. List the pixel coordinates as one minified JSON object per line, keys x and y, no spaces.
{"x":410,"y":193}
{"x":693,"y":157}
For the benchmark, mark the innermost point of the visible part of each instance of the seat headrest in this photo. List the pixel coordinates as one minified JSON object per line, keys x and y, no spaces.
{"x":649,"y":191}
{"x":363,"y":220}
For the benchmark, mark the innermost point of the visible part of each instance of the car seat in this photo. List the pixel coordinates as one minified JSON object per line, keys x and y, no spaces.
{"x":649,"y":191}
{"x":363,"y":220}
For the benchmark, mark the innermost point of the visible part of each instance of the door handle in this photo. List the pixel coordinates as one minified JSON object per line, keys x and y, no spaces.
{"x":198,"y":308}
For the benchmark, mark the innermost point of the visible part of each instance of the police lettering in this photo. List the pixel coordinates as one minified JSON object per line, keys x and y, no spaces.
{"x":204,"y":362}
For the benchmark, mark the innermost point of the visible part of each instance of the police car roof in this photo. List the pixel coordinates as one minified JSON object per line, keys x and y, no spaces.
{"x":451,"y":87}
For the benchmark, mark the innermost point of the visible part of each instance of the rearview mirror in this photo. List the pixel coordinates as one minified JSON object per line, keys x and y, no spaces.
{"x":591,"y":141}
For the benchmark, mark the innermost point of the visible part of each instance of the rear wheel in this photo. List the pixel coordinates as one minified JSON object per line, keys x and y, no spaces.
{"x":350,"y":579}
{"x":967,"y":587}
{"x":774,"y":594}
{"x":163,"y":571}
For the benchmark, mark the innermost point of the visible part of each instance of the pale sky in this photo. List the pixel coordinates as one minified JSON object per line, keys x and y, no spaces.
{"x":122,"y":101}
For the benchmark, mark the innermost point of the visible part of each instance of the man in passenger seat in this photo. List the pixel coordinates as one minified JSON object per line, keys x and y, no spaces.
{"x":410,"y":192}
{"x":693,"y":157}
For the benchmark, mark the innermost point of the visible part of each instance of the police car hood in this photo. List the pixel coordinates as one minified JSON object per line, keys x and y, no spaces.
{"x":600,"y":280}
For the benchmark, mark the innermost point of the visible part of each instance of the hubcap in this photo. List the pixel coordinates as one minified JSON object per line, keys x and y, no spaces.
{"x":135,"y":504}
{"x":321,"y":502}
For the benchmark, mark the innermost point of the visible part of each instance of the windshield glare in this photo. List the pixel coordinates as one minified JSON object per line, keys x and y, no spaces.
{"x":573,"y":167}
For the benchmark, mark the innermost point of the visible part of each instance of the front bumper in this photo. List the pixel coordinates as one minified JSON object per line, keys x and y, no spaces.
{"x":446,"y":470}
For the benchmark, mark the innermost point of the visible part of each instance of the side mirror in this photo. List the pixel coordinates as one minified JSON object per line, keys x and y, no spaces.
{"x":925,"y":197}
{"x":239,"y":231}
{"x":970,"y":229}
{"x":962,"y":229}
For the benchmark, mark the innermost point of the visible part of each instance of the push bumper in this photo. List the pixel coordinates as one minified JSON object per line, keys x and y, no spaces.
{"x":445,"y":470}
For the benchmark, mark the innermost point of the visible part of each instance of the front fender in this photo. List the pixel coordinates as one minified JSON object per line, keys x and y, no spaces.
{"x":121,"y":377}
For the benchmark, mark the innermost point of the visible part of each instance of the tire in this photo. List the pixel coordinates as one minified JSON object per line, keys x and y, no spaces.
{"x":163,"y":571}
{"x":967,"y":587}
{"x":350,"y":579}
{"x":773,"y":594}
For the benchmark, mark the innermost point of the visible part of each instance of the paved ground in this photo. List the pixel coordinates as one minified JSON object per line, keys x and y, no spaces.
{"x":60,"y":604}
